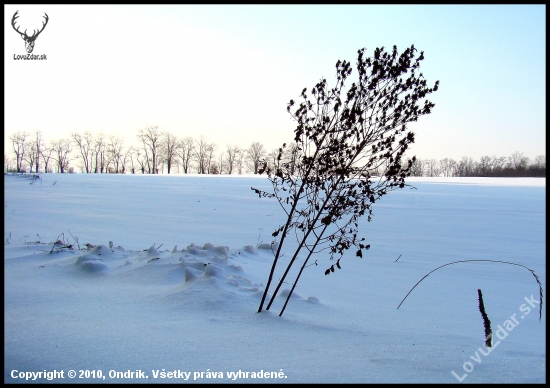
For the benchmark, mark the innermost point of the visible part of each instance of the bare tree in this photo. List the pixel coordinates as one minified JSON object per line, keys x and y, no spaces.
{"x":85,"y":144}
{"x":417,"y":166}
{"x":19,"y":148}
{"x":170,"y":145}
{"x":61,"y":149}
{"x":538,"y":167}
{"x":465,"y":167}
{"x":221,"y":163}
{"x":142,"y":160}
{"x":240,"y":161}
{"x":272,"y":158}
{"x":518,"y":162}
{"x":115,"y":151}
{"x":151,"y":140}
{"x":161,"y":162}
{"x":254,"y":154}
{"x":210,"y":158}
{"x":201,"y":155}
{"x":432,"y":168}
{"x":540,"y":161}
{"x":186,"y":152}
{"x":214,"y":168}
{"x":30,"y":154}
{"x":46,"y":154}
{"x":484,"y":166}
{"x":33,"y":151}
{"x":290,"y":156}
{"x":497,"y":164}
{"x":100,"y":152}
{"x":232,"y":153}
{"x":8,"y":164}
{"x":447,"y":167}
{"x":127,"y":158}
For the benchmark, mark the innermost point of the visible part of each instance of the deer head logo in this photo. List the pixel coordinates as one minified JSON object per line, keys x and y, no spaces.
{"x":29,"y":40}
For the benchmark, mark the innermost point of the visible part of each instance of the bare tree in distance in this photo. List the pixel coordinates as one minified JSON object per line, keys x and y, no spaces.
{"x":37,"y":141}
{"x":211,"y":147}
{"x":221,"y":163}
{"x":498,"y":163}
{"x":484,"y":167}
{"x":240,"y":161}
{"x":19,"y":148}
{"x":465,"y":166}
{"x":254,"y":155}
{"x":8,"y":164}
{"x":46,"y":154}
{"x":447,"y":167}
{"x":201,"y":154}
{"x":343,"y":137}
{"x":161,"y":161}
{"x":540,"y":161}
{"x":99,"y":152}
{"x":417,"y":166}
{"x":129,"y":158}
{"x":85,"y":144}
{"x":30,"y":155}
{"x":142,"y":160}
{"x":115,"y":151}
{"x":518,"y":162}
{"x":272,"y":158}
{"x":169,"y":144}
{"x":186,"y":151}
{"x":432,"y":168}
{"x":232,"y":153}
{"x":151,"y":140}
{"x":61,"y":150}
{"x":291,"y":156}
{"x":539,"y":166}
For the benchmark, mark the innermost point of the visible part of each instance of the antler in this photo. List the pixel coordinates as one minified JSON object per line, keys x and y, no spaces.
{"x":35,"y":33}
{"x":43,"y":26}
{"x":15,"y":16}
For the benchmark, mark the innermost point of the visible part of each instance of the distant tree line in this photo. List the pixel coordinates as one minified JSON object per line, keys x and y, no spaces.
{"x":515,"y":165}
{"x":154,"y":152}
{"x":162,"y":152}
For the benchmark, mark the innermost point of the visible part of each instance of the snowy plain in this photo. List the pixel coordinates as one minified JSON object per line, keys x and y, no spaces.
{"x":174,"y":298}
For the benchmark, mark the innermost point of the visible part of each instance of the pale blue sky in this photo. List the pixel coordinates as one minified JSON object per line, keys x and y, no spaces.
{"x":227,"y":72}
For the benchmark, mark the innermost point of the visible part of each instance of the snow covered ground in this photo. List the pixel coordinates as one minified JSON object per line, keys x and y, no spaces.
{"x":174,"y":297}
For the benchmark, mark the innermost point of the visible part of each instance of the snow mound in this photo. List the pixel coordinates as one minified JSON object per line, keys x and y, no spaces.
{"x":249,"y":249}
{"x":91,"y":263}
{"x":206,"y":275}
{"x":195,"y":250}
{"x":152,"y":251}
{"x":214,"y":271}
{"x":312,"y":299}
{"x":87,"y":257}
{"x":99,"y":250}
{"x":191,"y":274}
{"x":94,"y":266}
{"x":284,"y":293}
{"x":265,"y":246}
{"x":216,"y":250}
{"x":193,"y":264}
